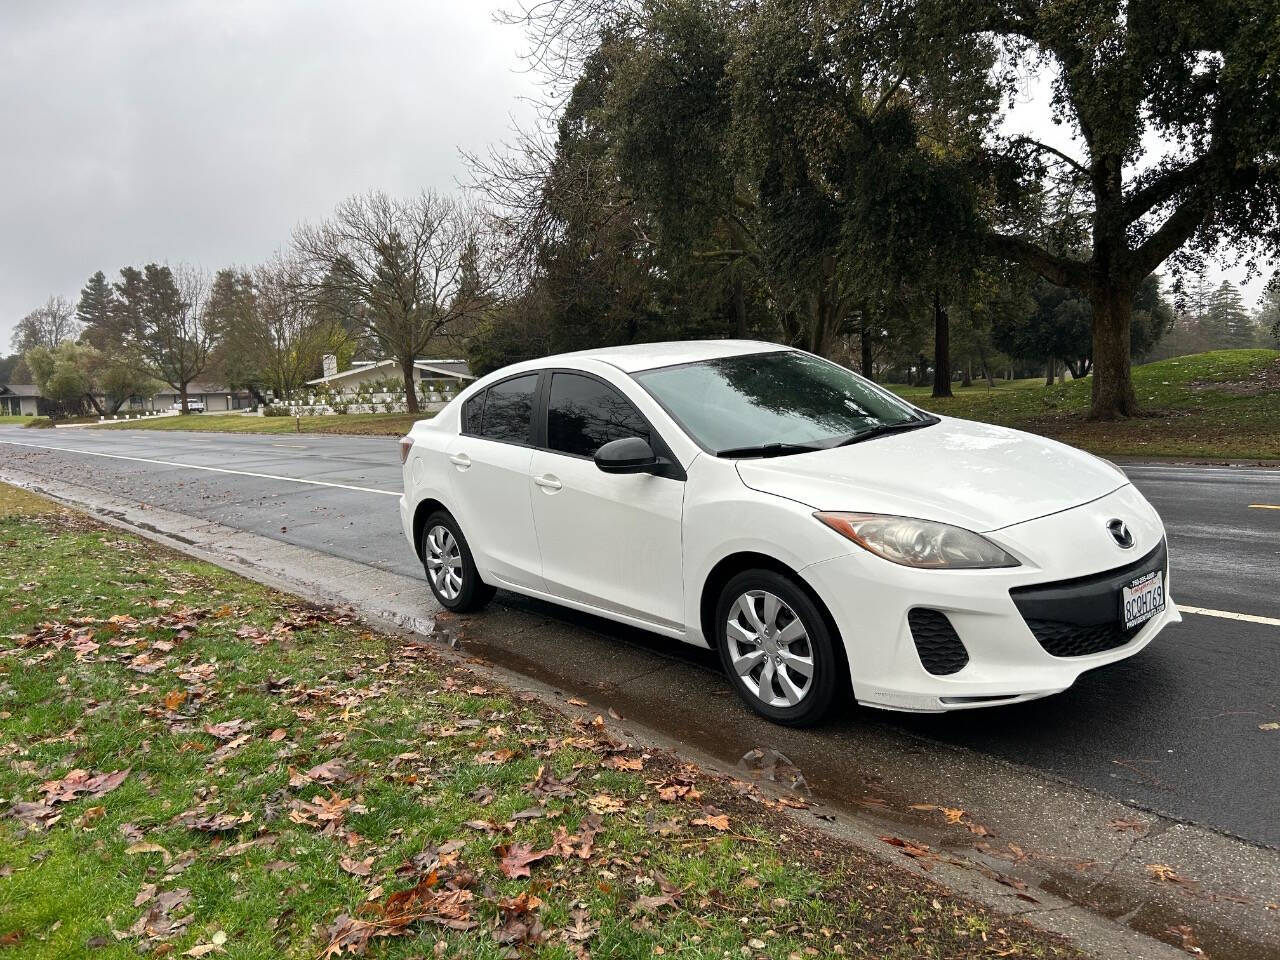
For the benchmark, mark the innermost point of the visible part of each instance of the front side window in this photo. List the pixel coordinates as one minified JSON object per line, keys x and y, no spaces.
{"x":782,"y":401}
{"x":583,"y":414}
{"x":508,"y":409}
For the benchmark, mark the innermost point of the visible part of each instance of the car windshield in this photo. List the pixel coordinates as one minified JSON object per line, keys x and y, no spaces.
{"x":776,"y":403}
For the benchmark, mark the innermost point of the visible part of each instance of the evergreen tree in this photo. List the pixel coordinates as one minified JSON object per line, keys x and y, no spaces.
{"x":1226,"y":319}
{"x":95,"y":311}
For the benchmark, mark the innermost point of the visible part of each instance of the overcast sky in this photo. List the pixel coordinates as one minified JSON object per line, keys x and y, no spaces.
{"x":204,"y":130}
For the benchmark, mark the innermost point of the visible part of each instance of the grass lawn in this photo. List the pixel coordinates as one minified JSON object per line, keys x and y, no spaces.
{"x":15,"y":421}
{"x":195,"y":765}
{"x":1219,"y":405}
{"x":363,"y":424}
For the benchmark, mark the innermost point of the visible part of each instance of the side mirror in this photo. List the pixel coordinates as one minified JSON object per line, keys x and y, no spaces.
{"x":628,"y":455}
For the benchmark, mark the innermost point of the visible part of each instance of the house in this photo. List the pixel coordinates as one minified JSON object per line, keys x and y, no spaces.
{"x":216,"y":398}
{"x":24,"y":399}
{"x":21,"y":400}
{"x":364,"y":373}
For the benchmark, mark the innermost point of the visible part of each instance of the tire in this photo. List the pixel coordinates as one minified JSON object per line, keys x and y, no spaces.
{"x":451,"y":571}
{"x":773,"y":684}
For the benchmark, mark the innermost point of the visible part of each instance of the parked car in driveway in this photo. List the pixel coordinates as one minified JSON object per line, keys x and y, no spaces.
{"x":828,"y":538}
{"x":193,"y":406}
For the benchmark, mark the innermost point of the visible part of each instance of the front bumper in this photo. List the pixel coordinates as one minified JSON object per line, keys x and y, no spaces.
{"x":1069,"y":577}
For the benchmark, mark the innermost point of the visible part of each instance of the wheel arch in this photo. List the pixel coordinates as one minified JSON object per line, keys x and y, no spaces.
{"x":735,"y":563}
{"x":425,"y":508}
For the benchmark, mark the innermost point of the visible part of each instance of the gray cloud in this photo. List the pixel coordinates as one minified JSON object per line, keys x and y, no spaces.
{"x":204,"y":130}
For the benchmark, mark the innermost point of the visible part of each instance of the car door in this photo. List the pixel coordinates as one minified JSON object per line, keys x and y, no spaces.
{"x":489,"y":464}
{"x":610,"y":540}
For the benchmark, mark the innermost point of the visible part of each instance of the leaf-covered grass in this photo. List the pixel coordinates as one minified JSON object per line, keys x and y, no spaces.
{"x":1219,"y":405}
{"x":192,"y":764}
{"x":359,"y":424}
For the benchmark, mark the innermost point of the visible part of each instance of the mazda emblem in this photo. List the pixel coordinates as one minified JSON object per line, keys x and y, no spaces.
{"x":1119,"y":531}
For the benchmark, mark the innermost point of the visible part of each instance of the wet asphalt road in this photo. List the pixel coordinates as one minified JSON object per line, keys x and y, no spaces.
{"x":1175,"y":729}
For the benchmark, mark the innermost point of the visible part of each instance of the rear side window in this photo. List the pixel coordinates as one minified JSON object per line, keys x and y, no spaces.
{"x":583,"y":414}
{"x":472,"y":413}
{"x":508,"y":410}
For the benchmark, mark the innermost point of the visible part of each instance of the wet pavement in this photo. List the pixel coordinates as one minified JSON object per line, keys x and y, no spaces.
{"x":1048,"y":789}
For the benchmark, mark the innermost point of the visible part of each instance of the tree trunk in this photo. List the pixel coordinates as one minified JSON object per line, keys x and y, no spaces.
{"x":1113,"y":395}
{"x":968,"y":375}
{"x":941,"y":348}
{"x":410,"y":388}
{"x":739,"y":307}
{"x":182,"y":398}
{"x":96,"y":405}
{"x":1051,"y":368}
{"x":865,"y":338}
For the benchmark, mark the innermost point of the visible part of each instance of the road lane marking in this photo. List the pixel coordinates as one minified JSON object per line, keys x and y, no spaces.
{"x":193,"y":466}
{"x":1228,"y":615}
{"x":1264,"y":506}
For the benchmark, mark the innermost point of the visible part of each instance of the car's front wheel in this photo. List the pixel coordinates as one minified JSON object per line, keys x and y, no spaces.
{"x":451,"y":571}
{"x":777,"y":649}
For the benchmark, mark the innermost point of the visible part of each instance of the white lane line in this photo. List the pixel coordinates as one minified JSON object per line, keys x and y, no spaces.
{"x":1228,"y":615}
{"x":192,"y":466}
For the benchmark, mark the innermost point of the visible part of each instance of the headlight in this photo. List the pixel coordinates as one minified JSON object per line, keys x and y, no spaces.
{"x":918,"y":543}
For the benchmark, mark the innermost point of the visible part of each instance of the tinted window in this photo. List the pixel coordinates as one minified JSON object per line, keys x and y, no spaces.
{"x":780,"y":397}
{"x":472,"y":411}
{"x":584,"y":414}
{"x":508,"y":409}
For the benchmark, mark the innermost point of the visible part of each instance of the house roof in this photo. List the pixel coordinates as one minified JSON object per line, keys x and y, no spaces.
{"x":20,"y":389}
{"x":457,"y":369}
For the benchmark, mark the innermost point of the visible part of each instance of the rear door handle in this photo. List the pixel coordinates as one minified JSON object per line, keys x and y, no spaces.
{"x":460,"y":460}
{"x":548,"y":482}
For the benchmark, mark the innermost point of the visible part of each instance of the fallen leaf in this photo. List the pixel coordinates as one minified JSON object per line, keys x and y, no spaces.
{"x":517,"y":857}
{"x":714,"y":821}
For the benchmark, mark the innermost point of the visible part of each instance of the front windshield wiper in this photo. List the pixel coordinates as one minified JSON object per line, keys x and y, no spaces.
{"x":883,"y":428}
{"x":769,"y":450}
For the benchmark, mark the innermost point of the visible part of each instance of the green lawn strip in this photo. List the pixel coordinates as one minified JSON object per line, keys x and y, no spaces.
{"x":297,"y":784}
{"x":358,"y":424}
{"x":1219,"y":405}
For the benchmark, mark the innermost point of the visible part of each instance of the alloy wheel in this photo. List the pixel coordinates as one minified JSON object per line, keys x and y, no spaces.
{"x":769,"y":649}
{"x":444,"y":562}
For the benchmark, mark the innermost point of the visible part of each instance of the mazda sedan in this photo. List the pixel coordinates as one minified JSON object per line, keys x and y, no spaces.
{"x":828,"y":538}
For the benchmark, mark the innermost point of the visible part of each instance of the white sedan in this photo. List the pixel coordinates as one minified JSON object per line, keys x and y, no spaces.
{"x":826,"y":537}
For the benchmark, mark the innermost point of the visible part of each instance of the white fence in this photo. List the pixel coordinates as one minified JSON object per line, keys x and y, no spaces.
{"x":317,"y":405}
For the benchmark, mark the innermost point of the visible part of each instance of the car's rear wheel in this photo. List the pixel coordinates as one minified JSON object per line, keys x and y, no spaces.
{"x":777,"y":648}
{"x":451,"y":571}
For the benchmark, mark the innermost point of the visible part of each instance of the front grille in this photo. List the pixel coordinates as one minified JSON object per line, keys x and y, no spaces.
{"x":941,"y":651}
{"x":1074,"y":618}
{"x":1079,"y":640}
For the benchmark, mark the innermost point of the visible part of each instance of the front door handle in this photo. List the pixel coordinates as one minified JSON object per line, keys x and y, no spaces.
{"x":548,"y":482}
{"x":460,"y":460}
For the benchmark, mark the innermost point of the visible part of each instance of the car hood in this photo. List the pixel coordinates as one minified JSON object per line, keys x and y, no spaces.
{"x":974,"y":475}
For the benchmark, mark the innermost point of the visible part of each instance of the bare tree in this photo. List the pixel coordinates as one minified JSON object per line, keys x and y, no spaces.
{"x":290,"y":339}
{"x":404,"y":272}
{"x":46,"y":326}
{"x":563,"y":33}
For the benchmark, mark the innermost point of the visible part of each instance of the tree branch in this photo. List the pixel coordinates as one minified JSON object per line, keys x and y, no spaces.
{"x":1059,"y":270}
{"x":1069,"y":160}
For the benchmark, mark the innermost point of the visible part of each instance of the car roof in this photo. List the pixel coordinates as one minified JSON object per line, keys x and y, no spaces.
{"x":635,"y":357}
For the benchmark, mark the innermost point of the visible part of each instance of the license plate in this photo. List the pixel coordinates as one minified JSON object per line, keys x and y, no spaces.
{"x":1142,"y":599}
